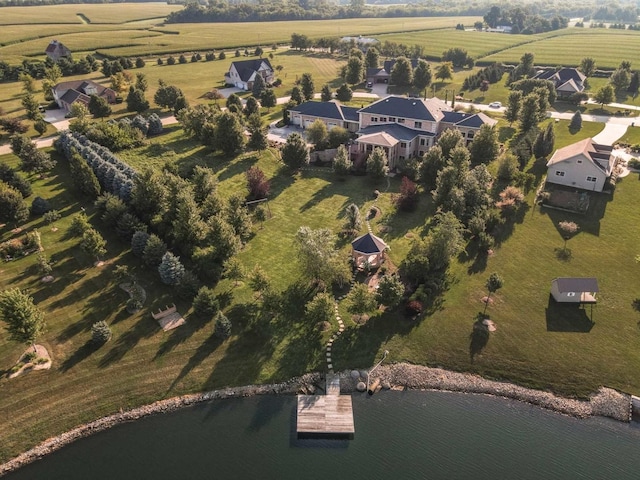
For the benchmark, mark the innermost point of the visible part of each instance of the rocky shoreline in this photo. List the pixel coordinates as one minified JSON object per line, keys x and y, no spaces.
{"x":606,"y":402}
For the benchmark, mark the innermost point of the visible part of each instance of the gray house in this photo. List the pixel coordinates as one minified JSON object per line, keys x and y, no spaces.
{"x":585,"y":164}
{"x":574,"y":290}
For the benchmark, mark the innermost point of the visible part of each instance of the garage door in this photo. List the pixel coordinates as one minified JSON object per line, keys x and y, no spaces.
{"x":307,"y":123}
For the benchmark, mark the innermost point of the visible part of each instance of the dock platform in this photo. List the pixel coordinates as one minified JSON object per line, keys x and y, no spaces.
{"x":330,"y":414}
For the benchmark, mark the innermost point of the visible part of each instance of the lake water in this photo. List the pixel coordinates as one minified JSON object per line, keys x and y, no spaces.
{"x":399,"y":435}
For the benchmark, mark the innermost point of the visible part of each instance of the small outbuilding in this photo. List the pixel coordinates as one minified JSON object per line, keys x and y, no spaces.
{"x":574,"y":290}
{"x":368,"y":250}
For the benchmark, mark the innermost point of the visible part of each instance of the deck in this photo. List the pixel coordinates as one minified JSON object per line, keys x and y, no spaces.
{"x":330,"y":414}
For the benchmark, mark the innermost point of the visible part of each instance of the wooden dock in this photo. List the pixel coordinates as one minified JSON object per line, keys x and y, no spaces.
{"x":330,"y":414}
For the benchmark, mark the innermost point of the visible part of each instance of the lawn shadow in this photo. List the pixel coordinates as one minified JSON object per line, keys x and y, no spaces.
{"x":205,"y":349}
{"x":479,"y":336}
{"x":568,"y":317}
{"x":79,"y":355}
{"x":144,"y":328}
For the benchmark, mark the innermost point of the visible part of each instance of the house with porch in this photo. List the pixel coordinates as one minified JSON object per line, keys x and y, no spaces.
{"x":66,"y":94}
{"x":242,"y":74}
{"x":584,"y":164}
{"x":403,"y":127}
{"x":566,"y":80}
{"x":407,"y":127}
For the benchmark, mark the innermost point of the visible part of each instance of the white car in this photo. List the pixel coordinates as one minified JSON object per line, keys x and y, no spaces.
{"x":495,"y":104}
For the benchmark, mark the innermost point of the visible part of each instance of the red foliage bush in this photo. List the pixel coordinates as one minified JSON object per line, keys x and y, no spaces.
{"x":257,"y":184}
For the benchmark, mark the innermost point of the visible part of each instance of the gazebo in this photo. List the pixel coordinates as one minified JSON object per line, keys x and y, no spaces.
{"x":367,"y":250}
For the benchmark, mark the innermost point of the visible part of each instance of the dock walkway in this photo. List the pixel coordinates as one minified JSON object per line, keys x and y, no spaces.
{"x":330,"y":414}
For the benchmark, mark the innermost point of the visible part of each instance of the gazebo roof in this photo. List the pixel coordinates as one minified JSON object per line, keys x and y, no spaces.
{"x":369,"y":244}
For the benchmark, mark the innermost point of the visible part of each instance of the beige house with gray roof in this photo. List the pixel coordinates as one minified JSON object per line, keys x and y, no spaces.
{"x":585,"y":164}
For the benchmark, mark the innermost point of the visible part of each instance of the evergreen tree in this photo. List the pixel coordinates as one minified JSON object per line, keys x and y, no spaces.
{"x":295,"y":153}
{"x":24,"y":321}
{"x":326,"y":94}
{"x":83,"y":177}
{"x":296,"y":95}
{"x":252,"y":106}
{"x":154,"y":251}
{"x":258,"y":86}
{"x":136,"y":102}
{"x":634,"y":84}
{"x":342,"y":163}
{"x":422,"y":75}
{"x":307,"y":86}
{"x":222,"y":326}
{"x":93,"y":243}
{"x":268,"y":99}
{"x":576,"y":121}
{"x":171,"y":269}
{"x":230,"y":133}
{"x":344,"y":93}
{"x":530,"y":112}
{"x":377,"y":163}
{"x":139,"y":242}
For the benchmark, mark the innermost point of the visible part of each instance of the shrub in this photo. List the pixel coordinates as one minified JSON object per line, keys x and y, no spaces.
{"x":223,"y":326}
{"x":40,"y":206}
{"x":100,"y":332}
{"x":409,"y":195}
{"x":413,"y":308}
{"x":155,"y":125}
{"x":171,"y":269}
{"x":51,"y":216}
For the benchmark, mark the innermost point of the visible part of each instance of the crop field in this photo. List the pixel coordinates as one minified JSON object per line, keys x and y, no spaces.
{"x":607,"y":47}
{"x":136,"y":37}
{"x":478,"y":44}
{"x":106,"y":13}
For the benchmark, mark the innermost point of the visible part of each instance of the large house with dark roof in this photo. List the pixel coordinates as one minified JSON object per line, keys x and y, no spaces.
{"x":242,"y":74}
{"x":403,"y":127}
{"x":56,"y":50}
{"x":67,"y":93}
{"x":584,"y":164}
{"x":566,"y":80}
{"x":331,"y":113}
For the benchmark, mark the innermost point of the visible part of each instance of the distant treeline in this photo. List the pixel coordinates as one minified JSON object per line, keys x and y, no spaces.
{"x":35,"y":3}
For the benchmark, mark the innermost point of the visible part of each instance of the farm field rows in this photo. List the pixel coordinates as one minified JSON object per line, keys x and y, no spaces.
{"x":95,"y":13}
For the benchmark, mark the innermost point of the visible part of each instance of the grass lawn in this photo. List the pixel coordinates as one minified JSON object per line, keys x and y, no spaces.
{"x":631,"y":136}
{"x":532,"y":346}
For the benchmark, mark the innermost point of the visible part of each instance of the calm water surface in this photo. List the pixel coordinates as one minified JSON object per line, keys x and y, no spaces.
{"x":399,"y":435}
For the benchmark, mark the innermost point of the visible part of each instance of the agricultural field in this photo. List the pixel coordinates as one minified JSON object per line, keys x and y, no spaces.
{"x":86,"y":13}
{"x":568,"y":47}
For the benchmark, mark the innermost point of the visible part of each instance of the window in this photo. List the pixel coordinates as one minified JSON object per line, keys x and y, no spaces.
{"x":403,"y":145}
{"x":559,"y":174}
{"x":392,"y":119}
{"x":383,"y":119}
{"x":571,"y":294}
{"x":401,"y":157}
{"x":423,"y":141}
{"x":417,"y":125}
{"x":591,"y":179}
{"x":374,"y":119}
{"x":470,"y":135}
{"x":579,"y":161}
{"x":401,"y":120}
